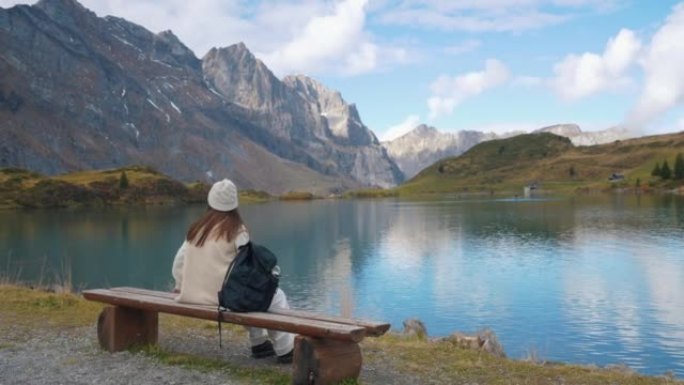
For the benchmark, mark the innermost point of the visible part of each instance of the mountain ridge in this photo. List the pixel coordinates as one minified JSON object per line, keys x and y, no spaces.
{"x":424,"y":145}
{"x":552,"y":162}
{"x":84,"y":92}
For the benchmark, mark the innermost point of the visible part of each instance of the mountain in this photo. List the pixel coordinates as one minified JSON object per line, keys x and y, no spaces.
{"x":300,"y":113}
{"x":425,"y":145}
{"x":552,"y":162}
{"x":587,"y":138}
{"x":82,"y":92}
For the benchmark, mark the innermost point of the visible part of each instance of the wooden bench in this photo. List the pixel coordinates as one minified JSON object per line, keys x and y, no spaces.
{"x":326,"y":347}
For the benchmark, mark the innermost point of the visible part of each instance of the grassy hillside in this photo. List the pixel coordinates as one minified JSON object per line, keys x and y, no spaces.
{"x":133,"y":185}
{"x":552,"y":162}
{"x":128,"y":185}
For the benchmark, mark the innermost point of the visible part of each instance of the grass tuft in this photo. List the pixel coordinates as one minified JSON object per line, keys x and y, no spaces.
{"x":254,"y":375}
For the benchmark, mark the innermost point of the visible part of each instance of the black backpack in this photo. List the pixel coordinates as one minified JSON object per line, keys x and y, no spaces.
{"x":251,"y":280}
{"x":250,"y":283}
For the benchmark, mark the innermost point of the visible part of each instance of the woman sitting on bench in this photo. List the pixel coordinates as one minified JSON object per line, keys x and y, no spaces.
{"x":201,"y":262}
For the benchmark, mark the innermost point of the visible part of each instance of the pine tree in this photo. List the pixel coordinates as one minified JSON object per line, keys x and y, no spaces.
{"x":665,"y":171}
{"x":572,"y":172}
{"x":123,"y":181}
{"x":656,"y":170}
{"x":679,"y":167}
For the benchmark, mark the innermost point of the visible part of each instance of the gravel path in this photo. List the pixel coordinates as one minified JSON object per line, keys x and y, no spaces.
{"x":72,"y":356}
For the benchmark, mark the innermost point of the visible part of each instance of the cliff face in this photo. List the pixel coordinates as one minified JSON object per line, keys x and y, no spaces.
{"x":343,"y":119}
{"x":425,"y":145}
{"x":313,"y":124}
{"x":80,"y":92}
{"x":95,"y":92}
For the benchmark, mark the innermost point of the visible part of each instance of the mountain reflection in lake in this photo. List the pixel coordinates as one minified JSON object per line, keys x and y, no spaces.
{"x":590,"y":280}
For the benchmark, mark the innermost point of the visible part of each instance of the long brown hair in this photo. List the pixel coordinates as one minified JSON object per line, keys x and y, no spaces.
{"x":227,"y":224}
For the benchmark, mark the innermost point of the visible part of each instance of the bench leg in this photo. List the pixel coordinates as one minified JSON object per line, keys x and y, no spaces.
{"x":119,"y":328}
{"x":322,"y":362}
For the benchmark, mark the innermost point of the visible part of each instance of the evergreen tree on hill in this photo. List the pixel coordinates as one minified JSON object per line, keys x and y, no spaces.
{"x":679,"y":167}
{"x":656,"y":170}
{"x":123,"y":181}
{"x":665,"y":171}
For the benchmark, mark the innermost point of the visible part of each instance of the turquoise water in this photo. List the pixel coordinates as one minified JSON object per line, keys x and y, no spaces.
{"x":592,"y":280}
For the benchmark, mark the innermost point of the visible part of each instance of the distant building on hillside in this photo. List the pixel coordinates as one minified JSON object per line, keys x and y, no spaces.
{"x":615,"y":177}
{"x":530,"y":189}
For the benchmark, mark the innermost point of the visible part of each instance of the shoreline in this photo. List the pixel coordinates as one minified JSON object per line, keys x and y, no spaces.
{"x":63,"y":324}
{"x":140,"y":186}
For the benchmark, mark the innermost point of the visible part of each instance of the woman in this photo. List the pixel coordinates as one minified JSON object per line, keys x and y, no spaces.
{"x":200,"y":266}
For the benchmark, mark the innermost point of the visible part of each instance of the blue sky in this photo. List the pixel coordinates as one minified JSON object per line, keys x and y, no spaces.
{"x":491,"y":65}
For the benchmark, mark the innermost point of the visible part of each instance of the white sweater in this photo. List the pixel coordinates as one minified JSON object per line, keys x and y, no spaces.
{"x":199,"y":271}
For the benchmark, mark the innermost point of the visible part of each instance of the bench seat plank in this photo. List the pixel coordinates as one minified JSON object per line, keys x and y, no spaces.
{"x":287,"y":323}
{"x":373,"y":329}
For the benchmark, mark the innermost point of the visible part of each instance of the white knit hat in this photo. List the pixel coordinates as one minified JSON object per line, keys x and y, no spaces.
{"x":223,"y":196}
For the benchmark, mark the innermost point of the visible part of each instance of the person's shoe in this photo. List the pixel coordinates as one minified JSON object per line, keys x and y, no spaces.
{"x":263,"y":350}
{"x":286,"y":358}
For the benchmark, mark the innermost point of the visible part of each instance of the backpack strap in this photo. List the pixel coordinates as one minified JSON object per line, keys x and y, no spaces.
{"x":219,"y":325}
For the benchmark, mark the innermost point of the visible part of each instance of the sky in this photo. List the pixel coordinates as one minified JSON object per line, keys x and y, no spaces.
{"x":487,"y":65}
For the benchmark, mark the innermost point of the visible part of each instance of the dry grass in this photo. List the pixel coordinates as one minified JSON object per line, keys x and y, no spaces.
{"x":297,"y":196}
{"x":444,"y":363}
{"x":141,"y":186}
{"x":435,"y":362}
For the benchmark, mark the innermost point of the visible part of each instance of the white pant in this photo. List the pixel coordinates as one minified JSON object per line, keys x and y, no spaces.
{"x":283,"y":342}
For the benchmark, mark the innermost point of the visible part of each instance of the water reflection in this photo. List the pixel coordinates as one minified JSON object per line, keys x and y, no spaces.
{"x":595,"y":280}
{"x":105,"y":247}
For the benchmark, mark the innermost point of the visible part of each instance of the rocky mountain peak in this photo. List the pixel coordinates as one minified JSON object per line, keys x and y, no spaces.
{"x":241,"y":78}
{"x":172,"y":40}
{"x":567,"y":130}
{"x":65,"y":12}
{"x":169,"y":49}
{"x":314,"y":90}
{"x":240,"y":53}
{"x":343,"y":119}
{"x":586,"y":138}
{"x":423,"y":130}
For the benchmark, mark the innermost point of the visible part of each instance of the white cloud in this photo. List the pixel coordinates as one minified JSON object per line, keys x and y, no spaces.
{"x":528,"y":81}
{"x":577,"y":77}
{"x":400,"y":129}
{"x":481,"y":23}
{"x":490,"y":15}
{"x":463,"y":47}
{"x":310,"y":36}
{"x":603,"y":6}
{"x":448,"y":92}
{"x":336,"y":38}
{"x":333,"y":40}
{"x":201,"y":24}
{"x":664,"y":79}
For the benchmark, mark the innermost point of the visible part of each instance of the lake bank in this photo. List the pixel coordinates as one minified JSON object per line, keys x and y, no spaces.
{"x":578,"y":280}
{"x":61,"y":329}
{"x":140,"y":186}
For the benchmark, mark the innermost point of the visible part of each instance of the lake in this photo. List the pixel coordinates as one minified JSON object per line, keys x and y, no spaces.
{"x":581,"y":280}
